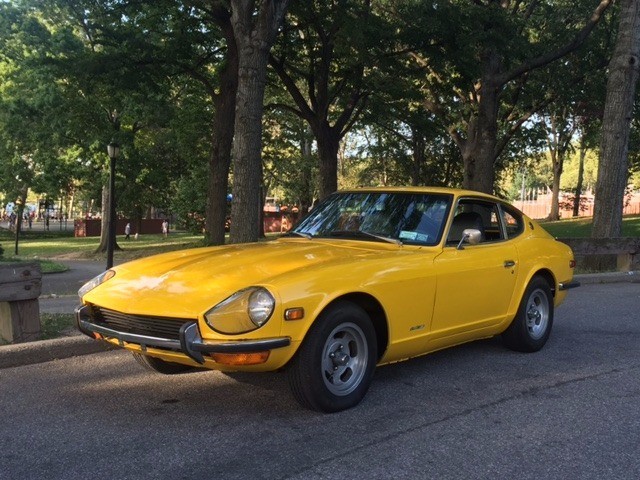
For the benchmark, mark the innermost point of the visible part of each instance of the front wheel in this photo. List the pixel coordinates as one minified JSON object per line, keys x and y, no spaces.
{"x":333,"y":369}
{"x":531,"y":327}
{"x":161,"y":366}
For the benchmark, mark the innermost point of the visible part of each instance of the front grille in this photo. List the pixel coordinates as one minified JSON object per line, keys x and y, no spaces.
{"x":163,"y":327}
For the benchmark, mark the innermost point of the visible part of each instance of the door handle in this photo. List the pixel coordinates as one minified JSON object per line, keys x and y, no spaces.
{"x":509,"y":263}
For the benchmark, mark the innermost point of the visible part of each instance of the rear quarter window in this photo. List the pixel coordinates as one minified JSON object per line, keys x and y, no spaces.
{"x":513,"y":222}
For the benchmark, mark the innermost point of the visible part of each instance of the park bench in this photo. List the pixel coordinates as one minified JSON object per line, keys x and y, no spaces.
{"x":20,"y":287}
{"x":599,"y":252}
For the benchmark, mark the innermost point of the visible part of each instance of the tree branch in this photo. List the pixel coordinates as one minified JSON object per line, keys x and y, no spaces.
{"x":549,"y":57}
{"x":305,"y":111}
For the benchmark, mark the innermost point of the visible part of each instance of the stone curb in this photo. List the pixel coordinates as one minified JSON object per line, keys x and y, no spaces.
{"x":61,"y":348}
{"x":609,"y":277}
{"x":47,"y":350}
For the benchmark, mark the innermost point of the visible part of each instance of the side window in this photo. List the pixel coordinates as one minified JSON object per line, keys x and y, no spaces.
{"x":479,"y":215}
{"x":513,"y":222}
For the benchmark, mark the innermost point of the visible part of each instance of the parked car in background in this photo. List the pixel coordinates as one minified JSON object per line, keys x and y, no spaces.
{"x":371,"y":276}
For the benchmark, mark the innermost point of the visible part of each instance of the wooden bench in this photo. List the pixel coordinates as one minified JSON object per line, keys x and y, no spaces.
{"x":20,"y":287}
{"x":624,"y":249}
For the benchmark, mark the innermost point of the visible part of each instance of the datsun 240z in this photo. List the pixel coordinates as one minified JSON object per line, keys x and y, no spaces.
{"x":370,"y":276}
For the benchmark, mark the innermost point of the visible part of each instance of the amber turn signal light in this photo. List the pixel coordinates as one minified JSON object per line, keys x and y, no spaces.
{"x":254,"y":358}
{"x":294,"y":313}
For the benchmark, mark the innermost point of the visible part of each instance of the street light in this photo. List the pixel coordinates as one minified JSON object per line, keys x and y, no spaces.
{"x":113,"y":150}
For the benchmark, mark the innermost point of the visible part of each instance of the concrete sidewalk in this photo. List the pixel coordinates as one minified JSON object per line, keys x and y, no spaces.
{"x":78,"y":344}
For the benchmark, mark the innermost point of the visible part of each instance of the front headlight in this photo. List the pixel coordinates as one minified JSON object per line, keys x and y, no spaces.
{"x":94,"y":282}
{"x":242,"y":312}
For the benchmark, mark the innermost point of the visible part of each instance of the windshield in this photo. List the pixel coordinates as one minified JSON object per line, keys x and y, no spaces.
{"x":407,"y":218}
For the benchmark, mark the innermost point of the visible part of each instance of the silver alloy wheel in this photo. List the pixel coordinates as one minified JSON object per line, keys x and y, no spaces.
{"x":344,"y":359}
{"x":537,"y":314}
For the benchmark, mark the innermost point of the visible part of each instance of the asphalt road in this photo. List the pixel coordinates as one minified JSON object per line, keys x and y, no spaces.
{"x":476,"y":411}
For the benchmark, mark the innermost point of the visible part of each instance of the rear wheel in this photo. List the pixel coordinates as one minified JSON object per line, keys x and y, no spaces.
{"x":531,"y":327}
{"x":161,"y":366}
{"x":333,"y":369}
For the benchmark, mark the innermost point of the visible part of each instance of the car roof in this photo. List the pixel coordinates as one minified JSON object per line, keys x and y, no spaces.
{"x":458,"y":192}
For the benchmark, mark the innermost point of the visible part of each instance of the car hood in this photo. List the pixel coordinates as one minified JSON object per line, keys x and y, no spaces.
{"x":187,"y":283}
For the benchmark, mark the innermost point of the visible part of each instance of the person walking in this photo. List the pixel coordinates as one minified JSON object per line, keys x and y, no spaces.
{"x":127,"y":231}
{"x":165,"y":228}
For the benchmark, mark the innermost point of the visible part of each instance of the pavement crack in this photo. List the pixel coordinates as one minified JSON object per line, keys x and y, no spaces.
{"x":531,"y":391}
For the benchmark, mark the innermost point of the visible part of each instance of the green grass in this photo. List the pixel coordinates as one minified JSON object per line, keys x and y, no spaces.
{"x":38,"y":246}
{"x":54,"y":325}
{"x":46,"y":266}
{"x":581,"y":227}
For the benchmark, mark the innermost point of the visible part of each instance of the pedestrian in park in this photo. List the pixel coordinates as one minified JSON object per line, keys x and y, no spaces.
{"x":165,"y":228}
{"x":127,"y":231}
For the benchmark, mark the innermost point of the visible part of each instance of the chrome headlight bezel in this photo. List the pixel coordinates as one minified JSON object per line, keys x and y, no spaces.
{"x":95,"y":282}
{"x":244,"y":311}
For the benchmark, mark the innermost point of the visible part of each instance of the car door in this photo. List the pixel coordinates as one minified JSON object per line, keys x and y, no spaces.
{"x":475,"y":283}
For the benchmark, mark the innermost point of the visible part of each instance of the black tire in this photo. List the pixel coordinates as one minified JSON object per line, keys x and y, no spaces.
{"x":161,"y":366}
{"x":531,"y":327}
{"x":334,"y":367}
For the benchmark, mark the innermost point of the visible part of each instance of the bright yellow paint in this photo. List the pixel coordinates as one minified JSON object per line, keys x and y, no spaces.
{"x":431,"y":297}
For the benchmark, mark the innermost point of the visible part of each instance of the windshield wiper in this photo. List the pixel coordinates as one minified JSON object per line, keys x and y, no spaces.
{"x":292,"y":233}
{"x":363,"y":233}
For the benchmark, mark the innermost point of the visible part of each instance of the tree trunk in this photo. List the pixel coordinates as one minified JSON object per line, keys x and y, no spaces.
{"x":307,"y":191}
{"x":222,"y":137}
{"x":419,"y":159}
{"x":621,"y":87}
{"x":578,"y":194}
{"x":556,"y":162}
{"x":254,"y":33}
{"x":20,"y":212}
{"x":480,"y":154}
{"x":220,"y":156}
{"x":328,"y":141}
{"x":247,"y":171}
{"x":104,"y":222}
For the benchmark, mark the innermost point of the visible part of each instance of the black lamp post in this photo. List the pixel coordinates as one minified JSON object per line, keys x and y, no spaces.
{"x":113,"y":149}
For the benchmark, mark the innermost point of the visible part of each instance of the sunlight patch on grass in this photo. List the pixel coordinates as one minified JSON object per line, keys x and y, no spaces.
{"x":581,"y":227}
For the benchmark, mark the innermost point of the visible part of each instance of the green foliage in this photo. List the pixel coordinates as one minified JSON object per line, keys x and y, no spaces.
{"x":402,"y":77}
{"x":290,"y":169}
{"x":570,"y":173}
{"x":189,"y":200}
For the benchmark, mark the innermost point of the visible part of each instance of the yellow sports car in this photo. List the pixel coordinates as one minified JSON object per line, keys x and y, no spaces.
{"x":370,"y":276}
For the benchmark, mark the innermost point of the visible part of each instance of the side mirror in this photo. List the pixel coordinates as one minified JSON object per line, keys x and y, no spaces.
{"x":470,"y":236}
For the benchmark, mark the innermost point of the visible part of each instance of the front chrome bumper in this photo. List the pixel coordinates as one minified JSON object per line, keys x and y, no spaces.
{"x":190,"y":342}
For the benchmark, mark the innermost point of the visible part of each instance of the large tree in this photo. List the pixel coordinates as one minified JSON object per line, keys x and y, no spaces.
{"x":161,"y":50}
{"x":621,"y":88}
{"x":477,"y":61}
{"x":255,"y":25}
{"x":327,"y":59}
